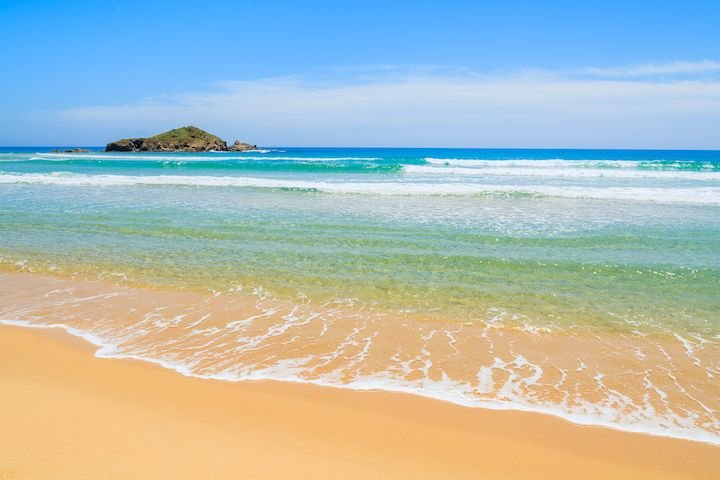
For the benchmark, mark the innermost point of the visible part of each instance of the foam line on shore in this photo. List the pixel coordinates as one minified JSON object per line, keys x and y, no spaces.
{"x":109,"y":350}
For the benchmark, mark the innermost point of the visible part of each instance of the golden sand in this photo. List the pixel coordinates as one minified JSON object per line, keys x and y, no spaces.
{"x":630,"y":380}
{"x":67,"y":415}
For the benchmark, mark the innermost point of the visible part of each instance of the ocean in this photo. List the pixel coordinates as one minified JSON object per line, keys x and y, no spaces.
{"x":577,"y":283}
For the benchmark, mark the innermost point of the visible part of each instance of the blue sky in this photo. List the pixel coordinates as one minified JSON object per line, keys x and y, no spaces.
{"x":606,"y":74}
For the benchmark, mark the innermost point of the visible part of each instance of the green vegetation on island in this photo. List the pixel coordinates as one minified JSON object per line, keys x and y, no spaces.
{"x":184,"y":139}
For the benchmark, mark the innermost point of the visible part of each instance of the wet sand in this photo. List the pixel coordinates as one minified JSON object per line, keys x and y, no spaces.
{"x":66,"y":414}
{"x":659,"y":383}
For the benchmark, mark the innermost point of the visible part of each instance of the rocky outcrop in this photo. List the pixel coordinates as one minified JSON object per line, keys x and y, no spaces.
{"x":185,"y":139}
{"x":73,"y":150}
{"x":239,"y":146}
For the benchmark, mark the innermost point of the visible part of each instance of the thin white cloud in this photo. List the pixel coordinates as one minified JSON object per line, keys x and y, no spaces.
{"x":654,"y":69}
{"x":425,"y":108}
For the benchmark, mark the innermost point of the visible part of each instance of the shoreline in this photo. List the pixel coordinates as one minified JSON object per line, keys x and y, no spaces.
{"x":91,"y":341}
{"x":96,"y":299}
{"x":323,"y":432}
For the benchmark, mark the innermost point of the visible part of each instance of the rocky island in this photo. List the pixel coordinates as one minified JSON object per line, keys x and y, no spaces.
{"x":70,"y":150}
{"x":185,"y":139}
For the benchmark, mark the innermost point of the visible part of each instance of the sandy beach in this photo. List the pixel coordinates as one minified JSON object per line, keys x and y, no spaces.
{"x":66,"y":414}
{"x":360,"y":240}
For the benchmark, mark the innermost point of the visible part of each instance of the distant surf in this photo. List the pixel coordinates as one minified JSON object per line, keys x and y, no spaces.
{"x":696,"y":195}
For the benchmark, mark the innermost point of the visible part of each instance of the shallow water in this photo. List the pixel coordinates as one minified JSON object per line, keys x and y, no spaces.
{"x":579,"y":283}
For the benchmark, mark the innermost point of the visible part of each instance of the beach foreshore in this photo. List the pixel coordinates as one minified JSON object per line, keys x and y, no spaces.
{"x":66,"y":414}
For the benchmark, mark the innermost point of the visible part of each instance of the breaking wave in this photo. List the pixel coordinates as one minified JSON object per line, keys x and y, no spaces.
{"x":696,"y":195}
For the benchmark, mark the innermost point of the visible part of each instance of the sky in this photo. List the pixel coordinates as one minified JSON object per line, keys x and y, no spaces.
{"x":451,"y":73}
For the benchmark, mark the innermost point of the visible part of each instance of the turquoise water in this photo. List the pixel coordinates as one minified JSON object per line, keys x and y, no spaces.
{"x":621,"y":244}
{"x":551,"y":235}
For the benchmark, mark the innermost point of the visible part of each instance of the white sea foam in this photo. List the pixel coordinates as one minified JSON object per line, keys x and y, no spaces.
{"x":161,"y":157}
{"x":652,"y":165}
{"x":557,"y":171}
{"x":460,"y":393}
{"x":560,"y":171}
{"x":252,"y":150}
{"x":698,"y":196}
{"x":521,"y":162}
